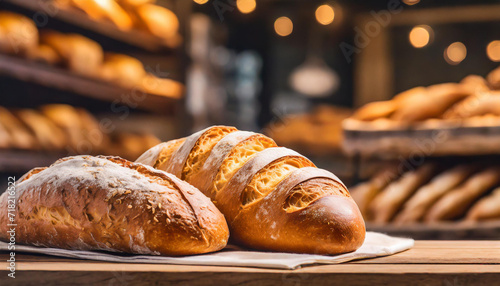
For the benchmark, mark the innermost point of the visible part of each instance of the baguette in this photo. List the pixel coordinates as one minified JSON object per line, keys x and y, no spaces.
{"x":273,"y":198}
{"x":391,"y":199}
{"x":456,"y":203}
{"x":18,"y":34}
{"x":417,"y":206}
{"x":78,"y":53}
{"x":487,"y":208}
{"x":108,"y":203}
{"x":20,"y":136}
{"x":105,"y":10}
{"x":364,"y":193}
{"x":48,"y":135}
{"x":432,"y":104}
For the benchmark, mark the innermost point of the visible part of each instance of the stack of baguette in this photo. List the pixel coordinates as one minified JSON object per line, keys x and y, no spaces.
{"x":474,"y":101}
{"x":316,"y":133}
{"x":19,"y":36}
{"x":431,"y":193}
{"x":61,"y":127}
{"x":142,"y":15}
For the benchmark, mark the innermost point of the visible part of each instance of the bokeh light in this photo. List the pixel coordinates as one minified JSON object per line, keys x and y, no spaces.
{"x":246,"y":6}
{"x":493,"y":51}
{"x":455,"y":53}
{"x":283,"y":26}
{"x":420,"y":36}
{"x":325,"y":14}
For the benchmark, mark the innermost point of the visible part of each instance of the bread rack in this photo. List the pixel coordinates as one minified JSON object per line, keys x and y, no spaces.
{"x":135,"y":38}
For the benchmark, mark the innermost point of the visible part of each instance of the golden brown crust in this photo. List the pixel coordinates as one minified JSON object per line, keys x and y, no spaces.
{"x":273,"y":198}
{"x":108,"y":203}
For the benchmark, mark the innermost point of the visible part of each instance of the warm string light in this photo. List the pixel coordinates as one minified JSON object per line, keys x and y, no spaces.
{"x":455,"y":53}
{"x":493,"y":51}
{"x":246,"y":6}
{"x":421,"y":36}
{"x":325,"y":14}
{"x":283,"y":26}
{"x":200,"y":1}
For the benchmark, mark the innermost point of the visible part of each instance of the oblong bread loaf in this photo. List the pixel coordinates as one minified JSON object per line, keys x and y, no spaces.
{"x":111,"y":204}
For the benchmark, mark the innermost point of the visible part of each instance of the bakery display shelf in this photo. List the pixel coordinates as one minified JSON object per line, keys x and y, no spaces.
{"x":427,"y":263}
{"x":13,"y":161}
{"x":61,"y":79}
{"x":390,"y":144}
{"x":135,"y":38}
{"x":441,"y":230}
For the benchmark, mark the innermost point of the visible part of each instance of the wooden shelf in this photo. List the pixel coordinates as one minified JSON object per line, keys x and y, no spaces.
{"x":61,"y":79}
{"x":22,"y":161}
{"x":446,"y":141}
{"x":133,"y":37}
{"x":441,"y":230}
{"x":427,"y":263}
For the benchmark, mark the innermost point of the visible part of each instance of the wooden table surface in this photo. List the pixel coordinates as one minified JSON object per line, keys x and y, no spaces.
{"x":453,"y":263}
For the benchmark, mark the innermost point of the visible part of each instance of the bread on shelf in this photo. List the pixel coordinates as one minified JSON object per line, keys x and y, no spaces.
{"x":433,"y":107}
{"x":18,"y":34}
{"x":427,"y":194}
{"x":111,"y":204}
{"x":78,"y":53}
{"x":108,"y":10}
{"x":273,"y":198}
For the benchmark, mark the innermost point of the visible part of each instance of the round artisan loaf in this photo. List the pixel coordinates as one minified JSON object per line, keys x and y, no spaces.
{"x":109,"y":203}
{"x":272,"y":197}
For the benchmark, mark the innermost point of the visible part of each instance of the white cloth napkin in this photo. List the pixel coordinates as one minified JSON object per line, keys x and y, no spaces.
{"x":375,"y":245}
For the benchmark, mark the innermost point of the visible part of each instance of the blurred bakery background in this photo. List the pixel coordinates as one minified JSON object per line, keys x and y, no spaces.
{"x":400,"y":99}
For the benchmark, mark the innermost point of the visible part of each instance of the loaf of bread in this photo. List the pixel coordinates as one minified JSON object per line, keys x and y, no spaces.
{"x":431,"y":104}
{"x":273,"y":198}
{"x":108,"y":203}
{"x":18,"y":34}
{"x":20,"y":136}
{"x":123,"y":70}
{"x":487,"y":208}
{"x":108,"y":10}
{"x":418,"y":205}
{"x":456,"y":203}
{"x":157,"y":20}
{"x":47,"y":134}
{"x":385,"y":205}
{"x":78,"y":53}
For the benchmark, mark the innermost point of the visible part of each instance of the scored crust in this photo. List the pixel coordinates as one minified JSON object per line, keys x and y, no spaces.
{"x":272,"y":197}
